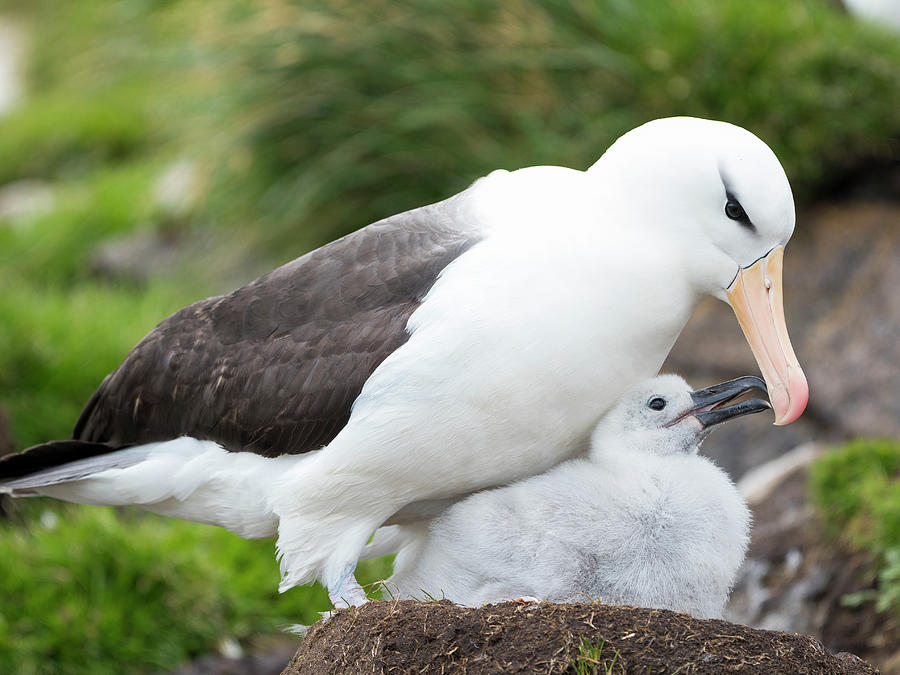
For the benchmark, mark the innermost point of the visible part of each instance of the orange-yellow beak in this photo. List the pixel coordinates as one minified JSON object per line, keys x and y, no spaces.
{"x":755,"y":297}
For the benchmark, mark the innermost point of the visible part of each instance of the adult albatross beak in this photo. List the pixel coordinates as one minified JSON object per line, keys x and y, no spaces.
{"x":755,"y":296}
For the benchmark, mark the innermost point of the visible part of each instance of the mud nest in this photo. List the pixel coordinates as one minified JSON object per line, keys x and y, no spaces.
{"x":440,"y":637}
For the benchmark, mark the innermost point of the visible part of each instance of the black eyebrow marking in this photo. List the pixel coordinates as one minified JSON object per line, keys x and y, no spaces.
{"x":729,"y":197}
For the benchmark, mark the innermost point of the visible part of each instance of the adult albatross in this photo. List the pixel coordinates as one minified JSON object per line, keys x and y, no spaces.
{"x":443,"y":350}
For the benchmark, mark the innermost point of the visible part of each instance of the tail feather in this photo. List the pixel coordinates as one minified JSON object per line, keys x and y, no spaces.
{"x":184,"y":477}
{"x":58,"y":461}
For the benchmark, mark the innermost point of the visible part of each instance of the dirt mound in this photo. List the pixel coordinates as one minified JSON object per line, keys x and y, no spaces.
{"x":440,"y":637}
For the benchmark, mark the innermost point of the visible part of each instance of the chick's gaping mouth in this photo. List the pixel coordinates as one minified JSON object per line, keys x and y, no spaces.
{"x":710,"y":405}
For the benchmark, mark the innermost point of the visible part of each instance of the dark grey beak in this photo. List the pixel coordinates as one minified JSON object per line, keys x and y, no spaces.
{"x":713,"y":417}
{"x":709,"y":408}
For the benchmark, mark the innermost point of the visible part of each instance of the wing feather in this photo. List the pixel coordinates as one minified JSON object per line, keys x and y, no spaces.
{"x":274,"y":367}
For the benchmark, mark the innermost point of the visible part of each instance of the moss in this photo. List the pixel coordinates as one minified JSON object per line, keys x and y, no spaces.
{"x":856,"y":489}
{"x":855,"y":482}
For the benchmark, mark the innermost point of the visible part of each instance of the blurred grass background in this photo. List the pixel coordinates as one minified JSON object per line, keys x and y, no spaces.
{"x":856,"y":489}
{"x":174,"y":149}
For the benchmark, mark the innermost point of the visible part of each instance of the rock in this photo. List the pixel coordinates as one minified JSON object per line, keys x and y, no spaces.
{"x":440,"y":637}
{"x":759,"y":483}
{"x":843,"y":313}
{"x":269,"y":663}
{"x":851,"y":339}
{"x":794,"y":578}
{"x":23,"y":200}
{"x":167,"y":245}
{"x":178,"y":189}
{"x":137,"y":257}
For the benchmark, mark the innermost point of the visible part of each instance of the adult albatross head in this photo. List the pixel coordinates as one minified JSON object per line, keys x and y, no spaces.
{"x":724,"y":196}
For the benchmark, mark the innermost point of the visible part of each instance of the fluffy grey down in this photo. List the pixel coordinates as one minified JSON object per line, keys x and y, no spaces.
{"x":642,"y":521}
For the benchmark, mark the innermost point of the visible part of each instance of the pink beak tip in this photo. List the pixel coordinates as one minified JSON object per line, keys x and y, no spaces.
{"x":797,"y":397}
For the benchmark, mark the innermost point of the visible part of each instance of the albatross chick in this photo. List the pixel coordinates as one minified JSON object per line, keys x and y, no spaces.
{"x":643,"y":520}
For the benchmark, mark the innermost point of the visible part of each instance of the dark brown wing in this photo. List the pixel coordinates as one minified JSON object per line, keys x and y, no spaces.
{"x":274,"y":367}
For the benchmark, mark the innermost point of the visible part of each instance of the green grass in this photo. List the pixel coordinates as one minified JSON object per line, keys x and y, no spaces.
{"x":90,"y":590}
{"x":591,"y":661}
{"x":316,"y":119}
{"x":313,"y":119}
{"x":58,"y":135}
{"x":57,"y":344}
{"x":62,"y":329}
{"x":856,"y":490}
{"x":361,"y":110}
{"x":55,"y":247}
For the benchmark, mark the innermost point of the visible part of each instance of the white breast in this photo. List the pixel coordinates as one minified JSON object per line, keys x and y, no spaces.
{"x":520,"y":347}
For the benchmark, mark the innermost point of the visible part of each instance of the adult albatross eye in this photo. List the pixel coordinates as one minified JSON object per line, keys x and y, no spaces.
{"x":734,"y":210}
{"x":656,"y":403}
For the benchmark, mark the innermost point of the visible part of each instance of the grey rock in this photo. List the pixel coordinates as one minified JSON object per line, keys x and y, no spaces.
{"x":136,"y":257}
{"x":266,"y":658}
{"x":23,"y":200}
{"x":178,"y":189}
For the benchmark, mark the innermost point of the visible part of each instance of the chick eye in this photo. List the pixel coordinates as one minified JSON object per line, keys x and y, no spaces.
{"x":734,"y":210}
{"x":656,"y":403}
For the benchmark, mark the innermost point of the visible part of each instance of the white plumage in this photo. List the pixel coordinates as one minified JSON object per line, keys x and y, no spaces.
{"x":644,"y":520}
{"x":576,"y":288}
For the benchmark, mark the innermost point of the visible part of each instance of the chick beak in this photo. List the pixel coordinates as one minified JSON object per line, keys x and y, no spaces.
{"x":708,"y":404}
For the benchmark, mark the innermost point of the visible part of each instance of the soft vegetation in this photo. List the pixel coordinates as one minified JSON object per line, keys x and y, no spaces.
{"x":364,"y":109}
{"x":856,"y":489}
{"x":301,"y":121}
{"x":96,"y":591}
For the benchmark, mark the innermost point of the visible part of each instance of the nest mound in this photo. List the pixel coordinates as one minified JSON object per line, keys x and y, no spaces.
{"x":440,"y":637}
